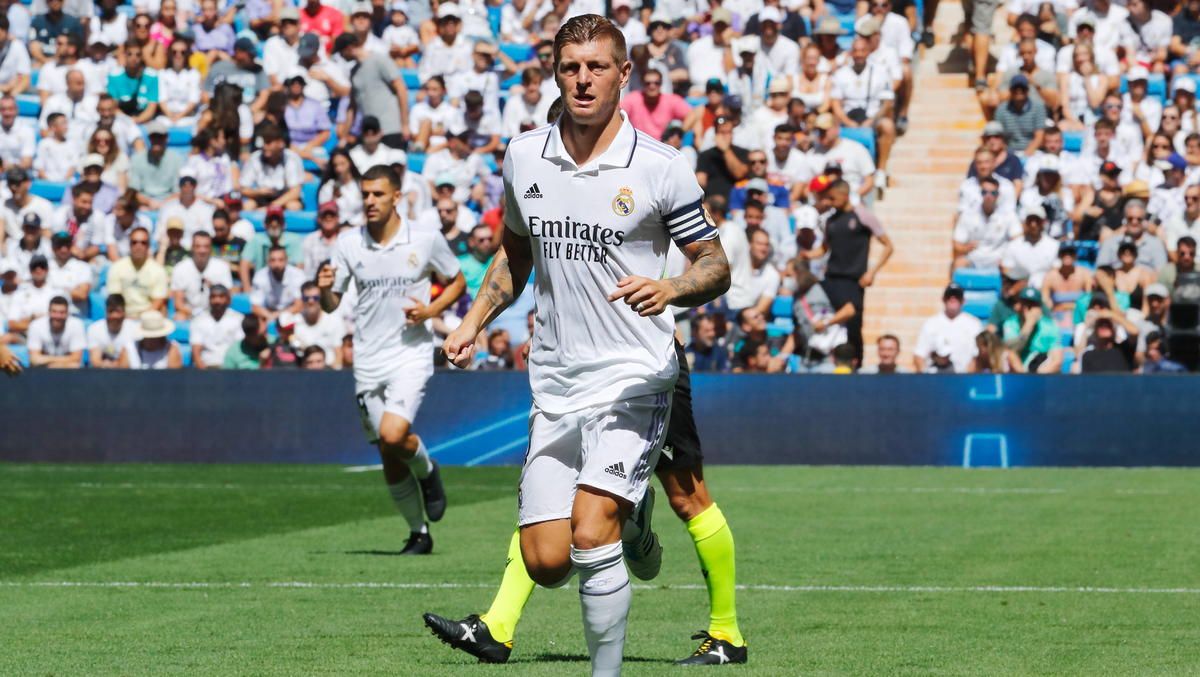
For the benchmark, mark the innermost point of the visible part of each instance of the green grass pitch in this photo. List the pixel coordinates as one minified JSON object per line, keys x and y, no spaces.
{"x":267,"y":570}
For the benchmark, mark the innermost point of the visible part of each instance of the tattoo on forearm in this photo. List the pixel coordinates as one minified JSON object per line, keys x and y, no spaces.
{"x":498,"y":286}
{"x":707,"y":277}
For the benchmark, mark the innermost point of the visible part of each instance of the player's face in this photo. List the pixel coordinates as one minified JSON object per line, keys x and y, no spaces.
{"x":379,"y":201}
{"x":591,"y":80}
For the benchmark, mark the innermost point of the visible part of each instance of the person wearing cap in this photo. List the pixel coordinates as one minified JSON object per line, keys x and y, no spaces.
{"x":242,"y":71}
{"x":706,"y":55}
{"x":361,"y":27}
{"x":152,"y":349}
{"x":1031,"y":337}
{"x":1040,"y":78}
{"x":29,"y":242}
{"x":45,"y":28}
{"x":952,"y":330}
{"x":318,"y":245}
{"x":194,"y":213}
{"x":1157,"y":312}
{"x":1022,"y":118}
{"x":69,"y":274}
{"x":1140,"y":109}
{"x":403,"y":43}
{"x":1004,"y":163}
{"x":456,"y":160}
{"x":747,"y":80}
{"x":135,"y":87}
{"x":887,"y":57}
{"x":141,"y":279}
{"x":450,"y":52}
{"x":1030,"y":257}
{"x":862,"y":96}
{"x":110,"y":342}
{"x":280,"y":52}
{"x":776,"y":26}
{"x":1151,"y":252}
{"x":17,"y":137}
{"x":32,"y":298}
{"x":274,"y":174}
{"x":377,"y":89}
{"x":57,"y":341}
{"x":765,"y":119}
{"x":633,"y":29}
{"x":1047,"y":189}
{"x":1167,"y":198}
{"x":858,"y":169}
{"x":982,"y":234}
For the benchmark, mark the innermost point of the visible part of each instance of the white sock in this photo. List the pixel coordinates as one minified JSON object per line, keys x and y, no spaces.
{"x":406,"y":494}
{"x":420,"y":464}
{"x":605,"y":595}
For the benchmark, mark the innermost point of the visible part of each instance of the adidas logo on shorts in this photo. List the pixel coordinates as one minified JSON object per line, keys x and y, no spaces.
{"x":533,"y":192}
{"x":617,"y":469}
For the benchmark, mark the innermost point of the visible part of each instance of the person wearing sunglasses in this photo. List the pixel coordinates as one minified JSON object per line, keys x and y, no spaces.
{"x":1151,"y":252}
{"x":981,"y":235}
{"x":316,"y":328}
{"x":142,"y":280}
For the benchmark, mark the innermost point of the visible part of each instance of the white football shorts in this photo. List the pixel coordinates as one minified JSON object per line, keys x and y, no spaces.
{"x":399,"y":394}
{"x":612,"y":447}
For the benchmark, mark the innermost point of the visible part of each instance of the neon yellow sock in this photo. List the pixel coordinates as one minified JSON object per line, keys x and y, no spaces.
{"x":714,"y":547}
{"x":510,"y":599}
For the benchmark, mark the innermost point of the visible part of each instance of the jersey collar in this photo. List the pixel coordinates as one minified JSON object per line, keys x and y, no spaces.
{"x":619,"y":154}
{"x":402,"y":237}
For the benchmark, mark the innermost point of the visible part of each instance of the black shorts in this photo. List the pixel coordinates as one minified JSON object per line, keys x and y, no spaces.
{"x":682,"y":448}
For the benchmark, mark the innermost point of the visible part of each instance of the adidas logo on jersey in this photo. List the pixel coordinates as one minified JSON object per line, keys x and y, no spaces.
{"x":533,"y":192}
{"x":617,"y":469}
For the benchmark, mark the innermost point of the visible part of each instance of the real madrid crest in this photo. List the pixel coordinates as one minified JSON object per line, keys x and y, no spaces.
{"x":622,"y":204}
{"x":413,"y":260}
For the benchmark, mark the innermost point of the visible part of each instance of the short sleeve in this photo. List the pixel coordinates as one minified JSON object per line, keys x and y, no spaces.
{"x":179,"y":280}
{"x":441,"y":259}
{"x":258,"y":296}
{"x":681,"y":204}
{"x":512,"y":211}
{"x":35,"y":340}
{"x":341,"y":269}
{"x":159,"y":289}
{"x":872,"y":222}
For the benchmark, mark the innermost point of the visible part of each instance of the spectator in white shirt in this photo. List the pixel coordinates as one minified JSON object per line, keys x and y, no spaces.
{"x":57,"y":341}
{"x":279,"y":52}
{"x":429,"y":119}
{"x":315,"y":327}
{"x":193,"y":277}
{"x":30,"y":242}
{"x":84,"y":224}
{"x":401,"y":40}
{"x":32,"y":299}
{"x":15,"y":66}
{"x":981,"y":235}
{"x":22,"y":203}
{"x":273,"y":175}
{"x":53,"y":160}
{"x":70,"y":275}
{"x":110,"y":342}
{"x":858,"y":169}
{"x":52,"y":76}
{"x":706,"y":55}
{"x":951,"y":328}
{"x":195,"y":213}
{"x":456,"y":161}
{"x":318,"y":245}
{"x":862,"y":97}
{"x":74,"y":102}
{"x":276,"y":288}
{"x":450,"y":52}
{"x":17,"y":137}
{"x":764,"y":278}
{"x":1032,"y":256}
{"x":215,"y":330}
{"x":527,"y":111}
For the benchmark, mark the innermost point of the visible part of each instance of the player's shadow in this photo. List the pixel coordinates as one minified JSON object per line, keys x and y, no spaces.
{"x":377,"y":553}
{"x":580,"y":658}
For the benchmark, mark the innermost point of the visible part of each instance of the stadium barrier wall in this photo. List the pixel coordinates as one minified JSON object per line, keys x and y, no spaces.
{"x":481,"y":418}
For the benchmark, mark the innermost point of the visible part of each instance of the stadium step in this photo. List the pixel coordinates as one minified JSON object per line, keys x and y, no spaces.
{"x":927,"y":165}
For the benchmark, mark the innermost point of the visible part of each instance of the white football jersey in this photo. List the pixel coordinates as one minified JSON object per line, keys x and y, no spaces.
{"x":390,"y":279}
{"x":589,"y":227}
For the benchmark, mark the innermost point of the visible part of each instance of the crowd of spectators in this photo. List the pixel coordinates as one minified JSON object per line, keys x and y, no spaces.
{"x":176,"y":172}
{"x":1080,"y":212}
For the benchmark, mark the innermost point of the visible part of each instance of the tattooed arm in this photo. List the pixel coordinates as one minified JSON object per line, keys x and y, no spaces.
{"x":503,"y":283}
{"x":704,"y":280}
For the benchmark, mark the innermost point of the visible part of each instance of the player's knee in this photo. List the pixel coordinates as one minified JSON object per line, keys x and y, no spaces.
{"x":393,"y":435}
{"x":586,"y":537}
{"x":547,"y":569}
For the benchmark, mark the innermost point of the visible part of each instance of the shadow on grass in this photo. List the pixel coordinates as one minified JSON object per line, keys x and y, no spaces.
{"x":580,"y":658}
{"x":378,"y":553}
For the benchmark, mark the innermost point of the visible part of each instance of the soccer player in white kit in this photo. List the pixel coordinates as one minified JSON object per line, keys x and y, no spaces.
{"x":589,"y":206}
{"x":390,"y":264}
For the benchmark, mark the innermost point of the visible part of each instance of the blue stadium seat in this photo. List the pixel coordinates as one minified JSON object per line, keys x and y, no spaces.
{"x":517,"y":51}
{"x":241,"y":303}
{"x":33,"y":78}
{"x":979,"y":303}
{"x":1068,"y":361}
{"x":51,"y":190}
{"x":978,"y":279}
{"x":308,"y":193}
{"x":510,"y":83}
{"x":21,"y":353}
{"x":185,"y":355}
{"x":96,"y":301}
{"x":1072,"y":141}
{"x":863,"y":135}
{"x":29,"y":105}
{"x":255,"y":217}
{"x":179,"y":137}
{"x":332,"y":142}
{"x":782,"y":307}
{"x":312,"y":167}
{"x":416,"y":162}
{"x":300,"y":222}
{"x":182,"y":331}
{"x":785,"y":325}
{"x":411,"y":79}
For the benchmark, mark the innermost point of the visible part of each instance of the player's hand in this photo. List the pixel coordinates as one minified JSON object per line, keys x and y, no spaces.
{"x":648,"y":297}
{"x":459,"y":346}
{"x":325,"y":278}
{"x":867,"y":279}
{"x":418,"y":313}
{"x":9,"y":363}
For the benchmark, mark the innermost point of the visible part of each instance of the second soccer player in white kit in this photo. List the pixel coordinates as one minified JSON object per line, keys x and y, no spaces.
{"x":589,"y":206}
{"x":390,"y":264}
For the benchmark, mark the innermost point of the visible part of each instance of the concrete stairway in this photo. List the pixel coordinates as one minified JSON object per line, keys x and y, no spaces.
{"x":927,"y":165}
